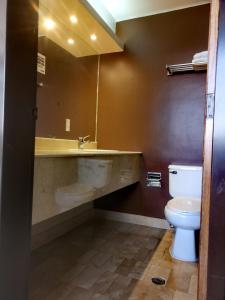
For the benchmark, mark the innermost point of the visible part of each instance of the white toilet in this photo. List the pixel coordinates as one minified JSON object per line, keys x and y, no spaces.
{"x":93,"y":174}
{"x":183,"y":211}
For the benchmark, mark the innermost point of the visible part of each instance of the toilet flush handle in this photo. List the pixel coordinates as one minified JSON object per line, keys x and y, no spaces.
{"x":173,"y":172}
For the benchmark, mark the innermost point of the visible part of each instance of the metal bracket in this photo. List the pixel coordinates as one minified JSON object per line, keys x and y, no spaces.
{"x":210,"y":98}
{"x":153,"y":179}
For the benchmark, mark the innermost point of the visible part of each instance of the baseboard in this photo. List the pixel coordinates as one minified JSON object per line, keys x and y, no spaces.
{"x":131,"y":218}
{"x":55,"y":227}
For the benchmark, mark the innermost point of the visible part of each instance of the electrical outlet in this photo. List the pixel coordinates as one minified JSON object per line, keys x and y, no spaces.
{"x":67,"y":125}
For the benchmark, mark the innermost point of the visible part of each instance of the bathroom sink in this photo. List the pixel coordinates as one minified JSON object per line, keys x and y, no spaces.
{"x":100,"y":150}
{"x":84,"y":150}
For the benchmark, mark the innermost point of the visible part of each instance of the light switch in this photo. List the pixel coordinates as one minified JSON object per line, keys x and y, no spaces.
{"x":67,"y":125}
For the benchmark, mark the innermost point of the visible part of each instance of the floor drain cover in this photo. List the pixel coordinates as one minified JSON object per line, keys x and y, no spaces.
{"x":158,"y":281}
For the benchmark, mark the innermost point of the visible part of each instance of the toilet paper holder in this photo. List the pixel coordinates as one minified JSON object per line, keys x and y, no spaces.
{"x":153,"y":179}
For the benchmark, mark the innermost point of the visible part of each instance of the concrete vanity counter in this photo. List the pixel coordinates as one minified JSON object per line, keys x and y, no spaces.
{"x":85,"y":152}
{"x":60,"y":185}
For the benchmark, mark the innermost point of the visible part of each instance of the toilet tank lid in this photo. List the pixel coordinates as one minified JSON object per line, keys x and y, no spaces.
{"x":185,"y":167}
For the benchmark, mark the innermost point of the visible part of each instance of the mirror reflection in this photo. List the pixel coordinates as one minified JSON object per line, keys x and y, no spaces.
{"x":71,"y":37}
{"x":66,"y":97}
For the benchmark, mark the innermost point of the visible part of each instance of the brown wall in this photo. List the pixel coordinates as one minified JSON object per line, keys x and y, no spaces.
{"x":141,"y":108}
{"x":69,"y":92}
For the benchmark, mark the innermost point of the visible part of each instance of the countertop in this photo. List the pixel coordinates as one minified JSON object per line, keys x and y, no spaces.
{"x":78,"y":152}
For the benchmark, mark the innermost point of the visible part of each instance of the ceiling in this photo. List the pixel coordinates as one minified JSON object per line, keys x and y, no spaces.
{"x":130,"y":9}
{"x":96,"y":18}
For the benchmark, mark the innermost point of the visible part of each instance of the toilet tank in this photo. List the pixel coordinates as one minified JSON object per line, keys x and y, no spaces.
{"x":185,"y":181}
{"x":94,"y":172}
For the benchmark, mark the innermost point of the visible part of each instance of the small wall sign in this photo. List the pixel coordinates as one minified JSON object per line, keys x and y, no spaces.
{"x":41,"y":63}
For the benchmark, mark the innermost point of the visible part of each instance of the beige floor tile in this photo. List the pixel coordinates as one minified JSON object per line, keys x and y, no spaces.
{"x":183,"y":296}
{"x":156,"y":271}
{"x":193,"y":285}
{"x":88,"y":276}
{"x":118,"y":287}
{"x":103,"y":283}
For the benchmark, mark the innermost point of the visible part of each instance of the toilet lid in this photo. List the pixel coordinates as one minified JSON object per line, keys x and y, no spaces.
{"x":185,"y":205}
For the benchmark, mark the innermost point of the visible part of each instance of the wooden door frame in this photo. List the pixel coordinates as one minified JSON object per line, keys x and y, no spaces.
{"x":18,"y":64}
{"x":18,"y":48}
{"x":203,"y":292}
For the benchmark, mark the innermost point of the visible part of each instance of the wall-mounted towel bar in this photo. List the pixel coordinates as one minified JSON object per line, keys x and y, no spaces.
{"x":185,"y":68}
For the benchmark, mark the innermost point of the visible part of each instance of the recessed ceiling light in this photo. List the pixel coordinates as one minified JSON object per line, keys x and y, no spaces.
{"x":73,"y":19}
{"x":49,"y":24}
{"x":70,"y":41}
{"x":93,"y":37}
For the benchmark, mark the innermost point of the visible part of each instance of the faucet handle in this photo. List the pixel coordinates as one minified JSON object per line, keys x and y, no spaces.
{"x":86,"y":138}
{"x":83,"y":139}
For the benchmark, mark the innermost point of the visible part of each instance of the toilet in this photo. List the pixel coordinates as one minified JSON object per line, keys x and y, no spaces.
{"x":183,"y":210}
{"x":93,"y":174}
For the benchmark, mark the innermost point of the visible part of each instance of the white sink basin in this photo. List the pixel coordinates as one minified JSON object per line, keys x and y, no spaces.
{"x":98,"y":150}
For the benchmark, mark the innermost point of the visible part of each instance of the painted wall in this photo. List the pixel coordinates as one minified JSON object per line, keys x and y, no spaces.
{"x":141,"y":108}
{"x":69,"y":91}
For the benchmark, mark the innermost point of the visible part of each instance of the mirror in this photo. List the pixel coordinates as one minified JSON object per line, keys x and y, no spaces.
{"x":67,"y":90}
{"x":71,"y":37}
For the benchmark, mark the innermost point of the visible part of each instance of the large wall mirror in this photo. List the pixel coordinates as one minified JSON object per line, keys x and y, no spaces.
{"x":71,"y":37}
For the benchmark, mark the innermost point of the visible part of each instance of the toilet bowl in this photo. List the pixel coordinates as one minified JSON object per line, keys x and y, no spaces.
{"x":184,"y":215}
{"x":183,"y":210}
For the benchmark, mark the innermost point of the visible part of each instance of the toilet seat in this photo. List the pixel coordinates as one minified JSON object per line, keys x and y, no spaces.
{"x":186,"y":206}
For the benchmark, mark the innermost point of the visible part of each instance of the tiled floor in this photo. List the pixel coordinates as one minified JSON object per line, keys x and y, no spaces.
{"x":107,"y":260}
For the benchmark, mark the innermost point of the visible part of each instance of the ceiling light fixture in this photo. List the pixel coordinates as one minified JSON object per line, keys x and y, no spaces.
{"x":49,"y":24}
{"x":73,"y":19}
{"x":70,"y":41}
{"x":93,"y":37}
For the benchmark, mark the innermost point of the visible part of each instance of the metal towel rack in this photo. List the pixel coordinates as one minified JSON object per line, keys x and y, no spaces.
{"x":185,"y":68}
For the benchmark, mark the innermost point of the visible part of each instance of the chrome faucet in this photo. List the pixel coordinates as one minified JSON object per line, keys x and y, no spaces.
{"x":82,"y":141}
